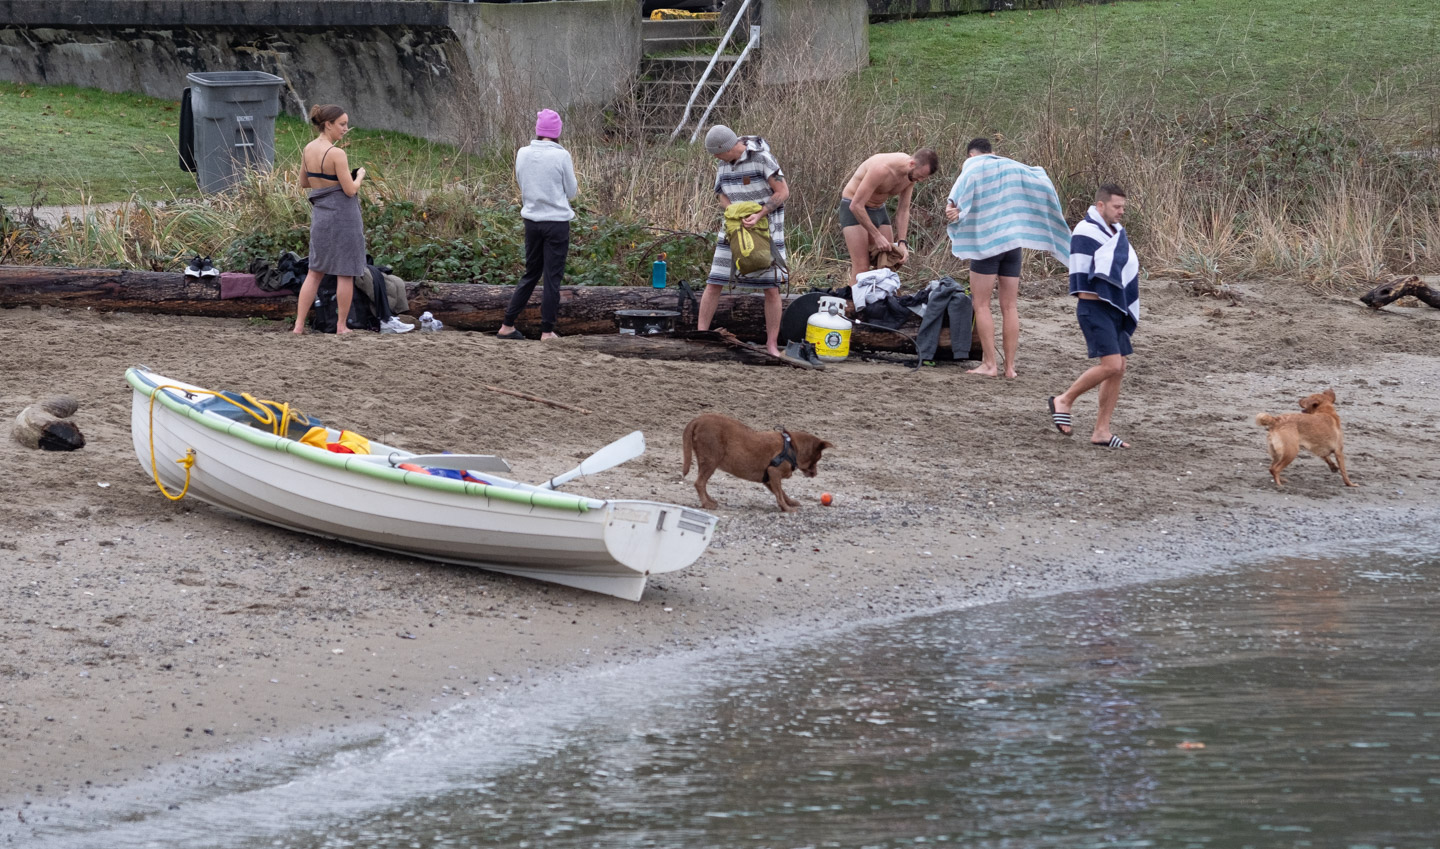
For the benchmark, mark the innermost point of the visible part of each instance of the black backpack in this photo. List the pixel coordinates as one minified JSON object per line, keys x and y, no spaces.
{"x":323,"y":313}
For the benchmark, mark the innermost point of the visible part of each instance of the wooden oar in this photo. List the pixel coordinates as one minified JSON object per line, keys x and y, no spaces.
{"x":621,"y":450}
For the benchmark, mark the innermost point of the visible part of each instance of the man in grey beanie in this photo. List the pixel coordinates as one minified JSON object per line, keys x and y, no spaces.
{"x":748,"y":172}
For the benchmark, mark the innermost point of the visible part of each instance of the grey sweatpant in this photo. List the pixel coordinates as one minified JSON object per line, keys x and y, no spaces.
{"x":947,"y":299}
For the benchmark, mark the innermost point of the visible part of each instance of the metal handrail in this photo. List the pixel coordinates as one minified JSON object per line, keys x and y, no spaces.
{"x":719,"y":50}
{"x":754,"y":40}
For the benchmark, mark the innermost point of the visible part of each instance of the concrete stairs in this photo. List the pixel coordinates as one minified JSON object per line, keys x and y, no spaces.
{"x":676,"y":55}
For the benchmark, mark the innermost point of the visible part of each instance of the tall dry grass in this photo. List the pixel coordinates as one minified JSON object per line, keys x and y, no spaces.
{"x":1323,"y":198}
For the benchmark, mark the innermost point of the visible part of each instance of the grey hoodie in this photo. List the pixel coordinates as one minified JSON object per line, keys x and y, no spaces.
{"x":547,"y":181}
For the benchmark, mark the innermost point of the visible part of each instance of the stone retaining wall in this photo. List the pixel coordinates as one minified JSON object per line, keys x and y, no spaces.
{"x":454,"y":72}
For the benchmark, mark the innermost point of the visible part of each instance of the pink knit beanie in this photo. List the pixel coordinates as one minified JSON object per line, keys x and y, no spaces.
{"x":548,"y":124}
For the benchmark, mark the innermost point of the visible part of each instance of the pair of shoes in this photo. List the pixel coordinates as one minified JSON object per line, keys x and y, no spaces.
{"x":393,"y":324}
{"x":925,"y":363}
{"x":514,"y":334}
{"x":201,"y":266}
{"x":429,"y":323}
{"x":795,"y":355}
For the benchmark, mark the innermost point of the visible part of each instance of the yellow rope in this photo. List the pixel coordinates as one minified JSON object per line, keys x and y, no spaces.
{"x":259,"y":411}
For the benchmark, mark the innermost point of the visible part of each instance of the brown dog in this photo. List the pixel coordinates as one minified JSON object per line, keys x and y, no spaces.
{"x":720,"y":442}
{"x":1317,"y":430}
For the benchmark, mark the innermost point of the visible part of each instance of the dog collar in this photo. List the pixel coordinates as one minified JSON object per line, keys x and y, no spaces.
{"x":786,"y":455}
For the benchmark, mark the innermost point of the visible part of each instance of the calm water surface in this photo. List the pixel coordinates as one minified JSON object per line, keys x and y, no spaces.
{"x":1290,"y":704}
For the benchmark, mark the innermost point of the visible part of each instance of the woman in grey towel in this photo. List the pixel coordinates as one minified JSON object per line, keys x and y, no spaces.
{"x":337,"y":237}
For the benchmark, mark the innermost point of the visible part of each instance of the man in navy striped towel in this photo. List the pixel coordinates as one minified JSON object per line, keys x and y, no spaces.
{"x":1105,"y":280}
{"x":747,"y":171}
{"x":997,"y":207}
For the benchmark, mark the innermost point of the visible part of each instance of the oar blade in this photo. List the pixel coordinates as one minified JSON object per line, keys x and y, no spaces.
{"x":625,"y":448}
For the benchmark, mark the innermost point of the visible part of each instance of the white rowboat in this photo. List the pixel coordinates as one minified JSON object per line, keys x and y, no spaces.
{"x":605,"y":546}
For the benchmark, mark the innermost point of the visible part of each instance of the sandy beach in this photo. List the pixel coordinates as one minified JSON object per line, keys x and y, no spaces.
{"x":139,"y":636}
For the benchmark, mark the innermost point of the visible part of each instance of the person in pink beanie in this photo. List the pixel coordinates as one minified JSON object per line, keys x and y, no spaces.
{"x":546,"y":176}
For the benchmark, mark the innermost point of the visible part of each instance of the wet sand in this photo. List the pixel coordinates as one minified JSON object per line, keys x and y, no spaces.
{"x":139,"y":636}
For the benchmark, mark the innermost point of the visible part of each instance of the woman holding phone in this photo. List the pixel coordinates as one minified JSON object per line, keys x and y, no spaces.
{"x":337,"y":236}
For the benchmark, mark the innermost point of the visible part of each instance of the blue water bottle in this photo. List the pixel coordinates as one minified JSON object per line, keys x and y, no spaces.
{"x":657,"y":273}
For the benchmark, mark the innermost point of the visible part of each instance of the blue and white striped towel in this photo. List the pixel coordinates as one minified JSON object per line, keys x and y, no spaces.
{"x":1102,"y":264}
{"x":1004,"y":205}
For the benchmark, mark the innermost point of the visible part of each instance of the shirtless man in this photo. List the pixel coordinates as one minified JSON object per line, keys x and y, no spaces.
{"x":879,"y":178}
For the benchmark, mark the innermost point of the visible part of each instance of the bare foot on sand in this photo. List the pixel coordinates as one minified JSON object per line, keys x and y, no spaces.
{"x":984,"y":370}
{"x":342,"y":331}
{"x":1010,"y":373}
{"x":545,"y":337}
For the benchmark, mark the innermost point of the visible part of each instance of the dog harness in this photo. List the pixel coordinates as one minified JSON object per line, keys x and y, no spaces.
{"x":786,"y":455}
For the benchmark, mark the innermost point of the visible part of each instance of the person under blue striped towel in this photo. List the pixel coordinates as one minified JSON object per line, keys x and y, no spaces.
{"x":996,"y":208}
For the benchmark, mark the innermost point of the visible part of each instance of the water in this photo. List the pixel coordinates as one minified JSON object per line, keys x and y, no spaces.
{"x":1289,"y":704}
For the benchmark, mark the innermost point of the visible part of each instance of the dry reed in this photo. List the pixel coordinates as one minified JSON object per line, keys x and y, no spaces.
{"x":1215,"y":193}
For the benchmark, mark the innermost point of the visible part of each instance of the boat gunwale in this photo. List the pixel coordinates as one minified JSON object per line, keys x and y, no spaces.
{"x":562,"y":501}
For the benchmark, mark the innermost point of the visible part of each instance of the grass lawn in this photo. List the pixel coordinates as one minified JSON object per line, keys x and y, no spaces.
{"x":67,"y":145}
{"x":1315,"y":55}
{"x":1367,"y":60}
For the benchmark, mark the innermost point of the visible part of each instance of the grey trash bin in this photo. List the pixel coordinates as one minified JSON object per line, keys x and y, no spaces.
{"x":234,"y":121}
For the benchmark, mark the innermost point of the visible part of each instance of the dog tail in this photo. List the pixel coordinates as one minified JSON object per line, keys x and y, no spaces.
{"x":685,"y":447}
{"x":1266,"y":420}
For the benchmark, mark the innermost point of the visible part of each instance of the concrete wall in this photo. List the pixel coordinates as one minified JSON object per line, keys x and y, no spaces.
{"x":803,"y":40}
{"x":445,"y":71}
{"x":531,"y":56}
{"x":398,"y":77}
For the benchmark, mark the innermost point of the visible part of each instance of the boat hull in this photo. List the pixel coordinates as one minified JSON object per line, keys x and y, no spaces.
{"x":609,"y":547}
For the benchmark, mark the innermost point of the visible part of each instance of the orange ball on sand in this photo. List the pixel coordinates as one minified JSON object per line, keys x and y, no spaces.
{"x":827,"y":499}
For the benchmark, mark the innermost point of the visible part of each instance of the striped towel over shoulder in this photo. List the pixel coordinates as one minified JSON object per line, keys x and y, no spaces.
{"x":1102,"y":263}
{"x":1005,"y":205}
{"x":748,"y":178}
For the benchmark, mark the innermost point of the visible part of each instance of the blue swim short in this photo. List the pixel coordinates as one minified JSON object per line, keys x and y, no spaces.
{"x":1104,"y":328}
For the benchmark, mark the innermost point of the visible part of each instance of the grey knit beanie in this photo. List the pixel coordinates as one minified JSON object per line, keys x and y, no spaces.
{"x":720,"y":139}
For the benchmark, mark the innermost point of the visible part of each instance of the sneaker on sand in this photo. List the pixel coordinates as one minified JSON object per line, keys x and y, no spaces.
{"x":393,"y":324}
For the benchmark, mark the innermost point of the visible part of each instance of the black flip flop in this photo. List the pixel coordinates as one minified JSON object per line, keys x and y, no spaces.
{"x":1061,"y":420}
{"x":514,"y":334}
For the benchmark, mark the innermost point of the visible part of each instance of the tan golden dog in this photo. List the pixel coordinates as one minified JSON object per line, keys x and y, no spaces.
{"x":768,"y":457}
{"x":1316,"y":430}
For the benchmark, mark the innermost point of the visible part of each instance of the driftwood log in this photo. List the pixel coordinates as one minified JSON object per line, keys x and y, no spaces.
{"x":584,"y":310}
{"x":693,"y":347}
{"x":1397,"y":289}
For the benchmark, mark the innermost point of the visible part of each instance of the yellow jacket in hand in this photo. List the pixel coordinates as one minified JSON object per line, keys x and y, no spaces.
{"x":750,"y":246}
